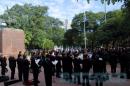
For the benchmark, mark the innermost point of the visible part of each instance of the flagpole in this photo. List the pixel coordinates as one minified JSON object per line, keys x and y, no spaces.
{"x":105,"y":11}
{"x":85,"y":38}
{"x":84,"y":16}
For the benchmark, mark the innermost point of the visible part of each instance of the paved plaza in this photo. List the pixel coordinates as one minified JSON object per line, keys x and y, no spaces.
{"x":113,"y":81}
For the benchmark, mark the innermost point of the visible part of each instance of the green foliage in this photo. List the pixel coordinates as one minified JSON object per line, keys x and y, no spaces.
{"x":37,"y":25}
{"x":48,"y":44}
{"x":54,"y":30}
{"x":72,"y":38}
{"x":113,"y":31}
{"x":38,"y":38}
{"x":108,"y":1}
{"x":116,"y":30}
{"x":75,"y":36}
{"x":28,"y":37}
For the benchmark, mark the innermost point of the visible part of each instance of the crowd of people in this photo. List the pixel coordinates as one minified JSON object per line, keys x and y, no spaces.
{"x":70,"y":64}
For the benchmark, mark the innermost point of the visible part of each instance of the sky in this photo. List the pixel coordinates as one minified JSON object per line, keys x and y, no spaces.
{"x":63,"y":9}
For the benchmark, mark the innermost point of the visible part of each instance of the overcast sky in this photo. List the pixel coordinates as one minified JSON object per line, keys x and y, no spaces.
{"x":62,"y":9}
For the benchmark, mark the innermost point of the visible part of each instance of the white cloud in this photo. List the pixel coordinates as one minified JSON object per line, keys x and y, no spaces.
{"x":62,"y":9}
{"x":59,"y":1}
{"x":9,"y":3}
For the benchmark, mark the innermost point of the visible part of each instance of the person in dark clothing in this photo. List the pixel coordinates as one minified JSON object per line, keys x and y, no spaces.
{"x":128,"y":63}
{"x":64,"y":66}
{"x":52,"y":58}
{"x":12,"y":65}
{"x":86,"y":66}
{"x":58,"y":65}
{"x":69,"y":66}
{"x":0,"y":59}
{"x":35,"y":67}
{"x":77,"y":68}
{"x":47,"y":64}
{"x":20,"y":53}
{"x":20,"y":66}
{"x":3,"y":65}
{"x":98,"y":67}
{"x":113,"y":61}
{"x":26,"y":64}
{"x":104,"y":55}
{"x":122,"y":54}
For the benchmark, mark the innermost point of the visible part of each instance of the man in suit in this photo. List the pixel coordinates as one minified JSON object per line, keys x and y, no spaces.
{"x":35,"y":59}
{"x":98,"y":67}
{"x":20,"y":66}
{"x":47,"y":64}
{"x":12,"y":65}
{"x":86,"y":66}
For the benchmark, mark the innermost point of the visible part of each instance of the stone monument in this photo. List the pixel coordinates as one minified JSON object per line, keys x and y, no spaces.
{"x":11,"y":41}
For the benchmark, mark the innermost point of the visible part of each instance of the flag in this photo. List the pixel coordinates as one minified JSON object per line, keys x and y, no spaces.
{"x":84,"y":18}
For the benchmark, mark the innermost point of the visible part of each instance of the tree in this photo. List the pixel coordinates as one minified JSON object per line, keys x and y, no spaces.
{"x":36,"y":24}
{"x":72,"y":38}
{"x":38,"y":39}
{"x":91,"y":24}
{"x":28,"y":38}
{"x":108,"y":1}
{"x":112,"y":31}
{"x":54,"y":30}
{"x":48,"y":44}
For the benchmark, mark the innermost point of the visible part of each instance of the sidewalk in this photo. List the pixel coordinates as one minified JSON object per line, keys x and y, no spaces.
{"x":60,"y":82}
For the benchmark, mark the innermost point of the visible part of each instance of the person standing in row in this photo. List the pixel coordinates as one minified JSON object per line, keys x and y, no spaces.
{"x":26,"y":64}
{"x":113,"y":60}
{"x":86,"y":66}
{"x":98,"y":67}
{"x":12,"y":65}
{"x":69,"y":65}
{"x":35,"y":67}
{"x":128,"y":63}
{"x":20,"y":66}
{"x":77,"y":68}
{"x":3,"y":65}
{"x":47,"y":64}
{"x":64,"y":66}
{"x":58,"y":65}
